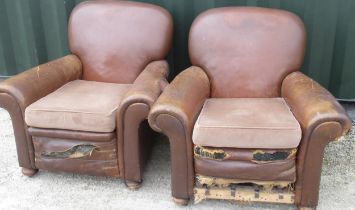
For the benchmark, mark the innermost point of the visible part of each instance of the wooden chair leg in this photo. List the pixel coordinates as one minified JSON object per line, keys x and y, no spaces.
{"x":306,"y":208}
{"x":29,"y":171}
{"x":180,"y":201}
{"x":132,"y":185}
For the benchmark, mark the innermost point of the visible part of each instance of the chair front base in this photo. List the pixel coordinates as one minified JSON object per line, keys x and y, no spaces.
{"x":76,"y":152}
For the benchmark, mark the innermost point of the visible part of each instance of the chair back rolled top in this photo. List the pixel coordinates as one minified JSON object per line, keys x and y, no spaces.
{"x":115,"y":40}
{"x":247,"y":51}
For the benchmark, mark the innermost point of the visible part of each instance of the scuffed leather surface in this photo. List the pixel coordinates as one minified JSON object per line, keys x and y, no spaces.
{"x":259,"y":123}
{"x":116,"y":39}
{"x":183,"y":98}
{"x":101,"y":162}
{"x":78,"y":105}
{"x":174,"y":114}
{"x":21,"y":90}
{"x":105,"y":150}
{"x":247,"y":51}
{"x":134,"y":135}
{"x":39,"y":81}
{"x":311,"y":103}
{"x":242,"y":164}
{"x":148,"y":85}
{"x":322,"y":119}
{"x":284,"y":170}
{"x":237,"y":154}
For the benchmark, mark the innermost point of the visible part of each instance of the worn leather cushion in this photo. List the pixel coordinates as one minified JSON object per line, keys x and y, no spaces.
{"x":78,"y":105}
{"x":247,"y":123}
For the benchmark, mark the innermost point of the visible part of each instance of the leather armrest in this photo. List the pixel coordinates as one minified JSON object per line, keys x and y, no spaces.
{"x":133,"y":112}
{"x":23,"y":89}
{"x":35,"y":83}
{"x":312,"y":104}
{"x":174,"y":114}
{"x":322,"y":119}
{"x":148,"y":85}
{"x":183,"y":98}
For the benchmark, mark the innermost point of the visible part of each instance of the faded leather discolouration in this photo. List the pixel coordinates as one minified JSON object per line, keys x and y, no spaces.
{"x":96,"y":105}
{"x":322,"y":119}
{"x":174,"y":114}
{"x":183,"y":97}
{"x":148,"y":85}
{"x":263,"y":123}
{"x":261,"y":61}
{"x":116,"y":39}
{"x":247,"y":51}
{"x":311,"y":103}
{"x":113,"y":41}
{"x":20,"y":91}
{"x":39,"y":81}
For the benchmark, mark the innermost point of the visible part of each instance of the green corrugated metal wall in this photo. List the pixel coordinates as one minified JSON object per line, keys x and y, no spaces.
{"x":34,"y":31}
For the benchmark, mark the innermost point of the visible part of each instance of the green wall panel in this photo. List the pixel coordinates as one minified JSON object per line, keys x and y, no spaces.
{"x":34,"y":31}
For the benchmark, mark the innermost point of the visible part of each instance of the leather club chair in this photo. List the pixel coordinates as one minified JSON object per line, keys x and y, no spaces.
{"x":243,"y":123}
{"x":87,"y":112}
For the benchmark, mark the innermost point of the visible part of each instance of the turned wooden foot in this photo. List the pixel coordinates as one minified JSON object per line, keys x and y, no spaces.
{"x":306,"y":208}
{"x":180,"y":201}
{"x":29,"y":171}
{"x":133,"y":185}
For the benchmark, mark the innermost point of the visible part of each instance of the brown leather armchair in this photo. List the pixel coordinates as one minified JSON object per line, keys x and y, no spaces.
{"x":86,"y":112}
{"x":243,"y":123}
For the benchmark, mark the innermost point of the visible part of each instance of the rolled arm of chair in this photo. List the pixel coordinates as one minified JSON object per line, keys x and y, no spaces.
{"x":148,"y":85}
{"x":312,"y":104}
{"x":39,"y":81}
{"x":133,"y":112}
{"x":322,"y":119}
{"x":22,"y":90}
{"x":183,"y":98}
{"x":174,"y":114}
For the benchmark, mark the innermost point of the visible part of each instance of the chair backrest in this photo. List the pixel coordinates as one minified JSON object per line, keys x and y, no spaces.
{"x":247,"y":51}
{"x":115,"y":40}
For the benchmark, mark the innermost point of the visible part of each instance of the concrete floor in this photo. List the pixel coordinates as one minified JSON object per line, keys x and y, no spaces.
{"x":49,"y":190}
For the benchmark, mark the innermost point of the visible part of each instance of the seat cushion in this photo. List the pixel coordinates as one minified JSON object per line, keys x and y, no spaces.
{"x":78,"y":105}
{"x":247,"y":123}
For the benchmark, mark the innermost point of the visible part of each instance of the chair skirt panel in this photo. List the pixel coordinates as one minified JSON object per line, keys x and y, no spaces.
{"x":245,"y":150}
{"x":245,"y":175}
{"x":89,"y":153}
{"x":246,"y":164}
